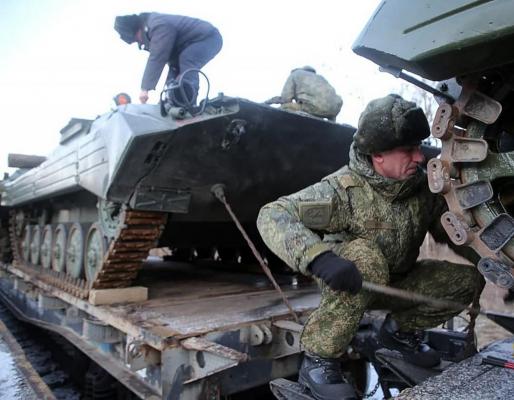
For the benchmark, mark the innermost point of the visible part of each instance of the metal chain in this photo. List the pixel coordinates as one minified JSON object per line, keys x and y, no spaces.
{"x":370,"y":393}
{"x":373,"y":391}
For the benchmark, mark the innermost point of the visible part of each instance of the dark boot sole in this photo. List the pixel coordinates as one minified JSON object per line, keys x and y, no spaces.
{"x":305,"y":383}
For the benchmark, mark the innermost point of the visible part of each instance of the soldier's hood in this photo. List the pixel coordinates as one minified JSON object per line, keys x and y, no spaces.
{"x":393,"y":189}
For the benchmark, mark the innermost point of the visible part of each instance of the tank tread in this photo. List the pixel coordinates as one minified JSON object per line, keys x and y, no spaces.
{"x":139,"y":232}
{"x":75,"y":286}
{"x":465,"y":173}
{"x":13,"y":239}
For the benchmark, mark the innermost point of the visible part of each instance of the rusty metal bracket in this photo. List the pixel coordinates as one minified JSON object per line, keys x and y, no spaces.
{"x":496,"y":272}
{"x":456,"y":229}
{"x":478,"y":106}
{"x":438,"y":176}
{"x":444,"y":121}
{"x":472,"y":194}
{"x":468,"y":149}
{"x":498,"y":232}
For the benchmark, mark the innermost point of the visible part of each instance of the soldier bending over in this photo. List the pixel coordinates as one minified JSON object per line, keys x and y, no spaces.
{"x":307,"y":91}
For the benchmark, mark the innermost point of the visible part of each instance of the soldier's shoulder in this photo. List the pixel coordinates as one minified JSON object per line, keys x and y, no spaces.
{"x":345,"y":178}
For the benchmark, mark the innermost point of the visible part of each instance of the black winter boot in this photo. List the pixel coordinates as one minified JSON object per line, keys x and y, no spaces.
{"x":410,"y":344}
{"x":324,"y":378}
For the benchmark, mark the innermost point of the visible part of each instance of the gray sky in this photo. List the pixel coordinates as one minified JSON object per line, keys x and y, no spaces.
{"x":63,"y":59}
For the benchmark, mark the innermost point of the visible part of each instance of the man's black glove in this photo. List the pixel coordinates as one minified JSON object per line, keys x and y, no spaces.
{"x":338,"y":273}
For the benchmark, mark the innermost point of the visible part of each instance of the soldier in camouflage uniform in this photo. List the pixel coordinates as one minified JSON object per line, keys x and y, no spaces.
{"x":309,"y":92}
{"x":367,"y":221}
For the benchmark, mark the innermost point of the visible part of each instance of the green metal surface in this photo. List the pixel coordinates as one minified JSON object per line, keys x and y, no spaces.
{"x":439,"y":39}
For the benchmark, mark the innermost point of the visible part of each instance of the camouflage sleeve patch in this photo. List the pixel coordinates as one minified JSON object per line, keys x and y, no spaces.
{"x":347,"y":180}
{"x":315,"y":214}
{"x":293,"y":226}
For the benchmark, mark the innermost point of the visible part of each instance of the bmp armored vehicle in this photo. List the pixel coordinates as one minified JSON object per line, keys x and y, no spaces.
{"x":133,"y":179}
{"x":465,"y":45}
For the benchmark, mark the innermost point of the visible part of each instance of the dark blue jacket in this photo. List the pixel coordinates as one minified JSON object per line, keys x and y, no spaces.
{"x":166,"y":37}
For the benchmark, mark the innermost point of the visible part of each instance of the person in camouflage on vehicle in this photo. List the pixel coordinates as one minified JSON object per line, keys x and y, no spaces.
{"x":367,"y":221}
{"x":307,"y":91}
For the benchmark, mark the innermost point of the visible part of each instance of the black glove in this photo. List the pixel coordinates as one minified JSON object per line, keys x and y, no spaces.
{"x":338,"y":273}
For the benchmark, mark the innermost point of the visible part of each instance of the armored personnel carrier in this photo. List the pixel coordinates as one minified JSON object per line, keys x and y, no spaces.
{"x":133,"y":179}
{"x":464,"y":44}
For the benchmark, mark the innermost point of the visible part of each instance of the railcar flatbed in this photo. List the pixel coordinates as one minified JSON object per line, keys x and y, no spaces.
{"x":203,"y":329}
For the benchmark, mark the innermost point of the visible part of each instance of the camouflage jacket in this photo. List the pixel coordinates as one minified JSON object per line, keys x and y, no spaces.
{"x":313,"y":90}
{"x":354,"y":202}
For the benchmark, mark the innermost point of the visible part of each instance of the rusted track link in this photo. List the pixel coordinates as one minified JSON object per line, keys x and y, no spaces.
{"x":13,"y":239}
{"x":137,"y":234}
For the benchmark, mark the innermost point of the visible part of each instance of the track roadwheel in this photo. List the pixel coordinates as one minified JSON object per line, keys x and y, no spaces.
{"x":25,"y":243}
{"x":46,"y":247}
{"x":75,"y":251}
{"x":109,"y":217}
{"x":59,"y":248}
{"x":35,"y":245}
{"x":94,"y":251}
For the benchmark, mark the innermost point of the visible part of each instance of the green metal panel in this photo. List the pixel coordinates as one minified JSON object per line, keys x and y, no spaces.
{"x":439,"y":39}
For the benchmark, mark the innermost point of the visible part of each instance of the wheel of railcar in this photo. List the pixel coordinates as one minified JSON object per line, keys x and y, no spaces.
{"x":46,"y":247}
{"x":25,"y":243}
{"x":59,"y":248}
{"x":94,"y":251}
{"x":75,"y":251}
{"x":35,"y":245}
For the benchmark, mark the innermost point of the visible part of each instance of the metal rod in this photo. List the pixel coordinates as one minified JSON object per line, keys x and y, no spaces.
{"x":398,"y":73}
{"x":417,"y":297}
{"x":218,"y":191}
{"x":506,"y":321}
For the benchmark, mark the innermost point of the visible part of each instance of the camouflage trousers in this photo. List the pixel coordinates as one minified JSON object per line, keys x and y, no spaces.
{"x":309,"y":109}
{"x":333,"y":324}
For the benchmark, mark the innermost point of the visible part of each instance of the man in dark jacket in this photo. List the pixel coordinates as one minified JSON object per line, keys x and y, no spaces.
{"x":181,"y":42}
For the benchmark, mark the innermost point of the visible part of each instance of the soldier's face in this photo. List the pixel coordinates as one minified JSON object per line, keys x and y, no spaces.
{"x":399,"y":163}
